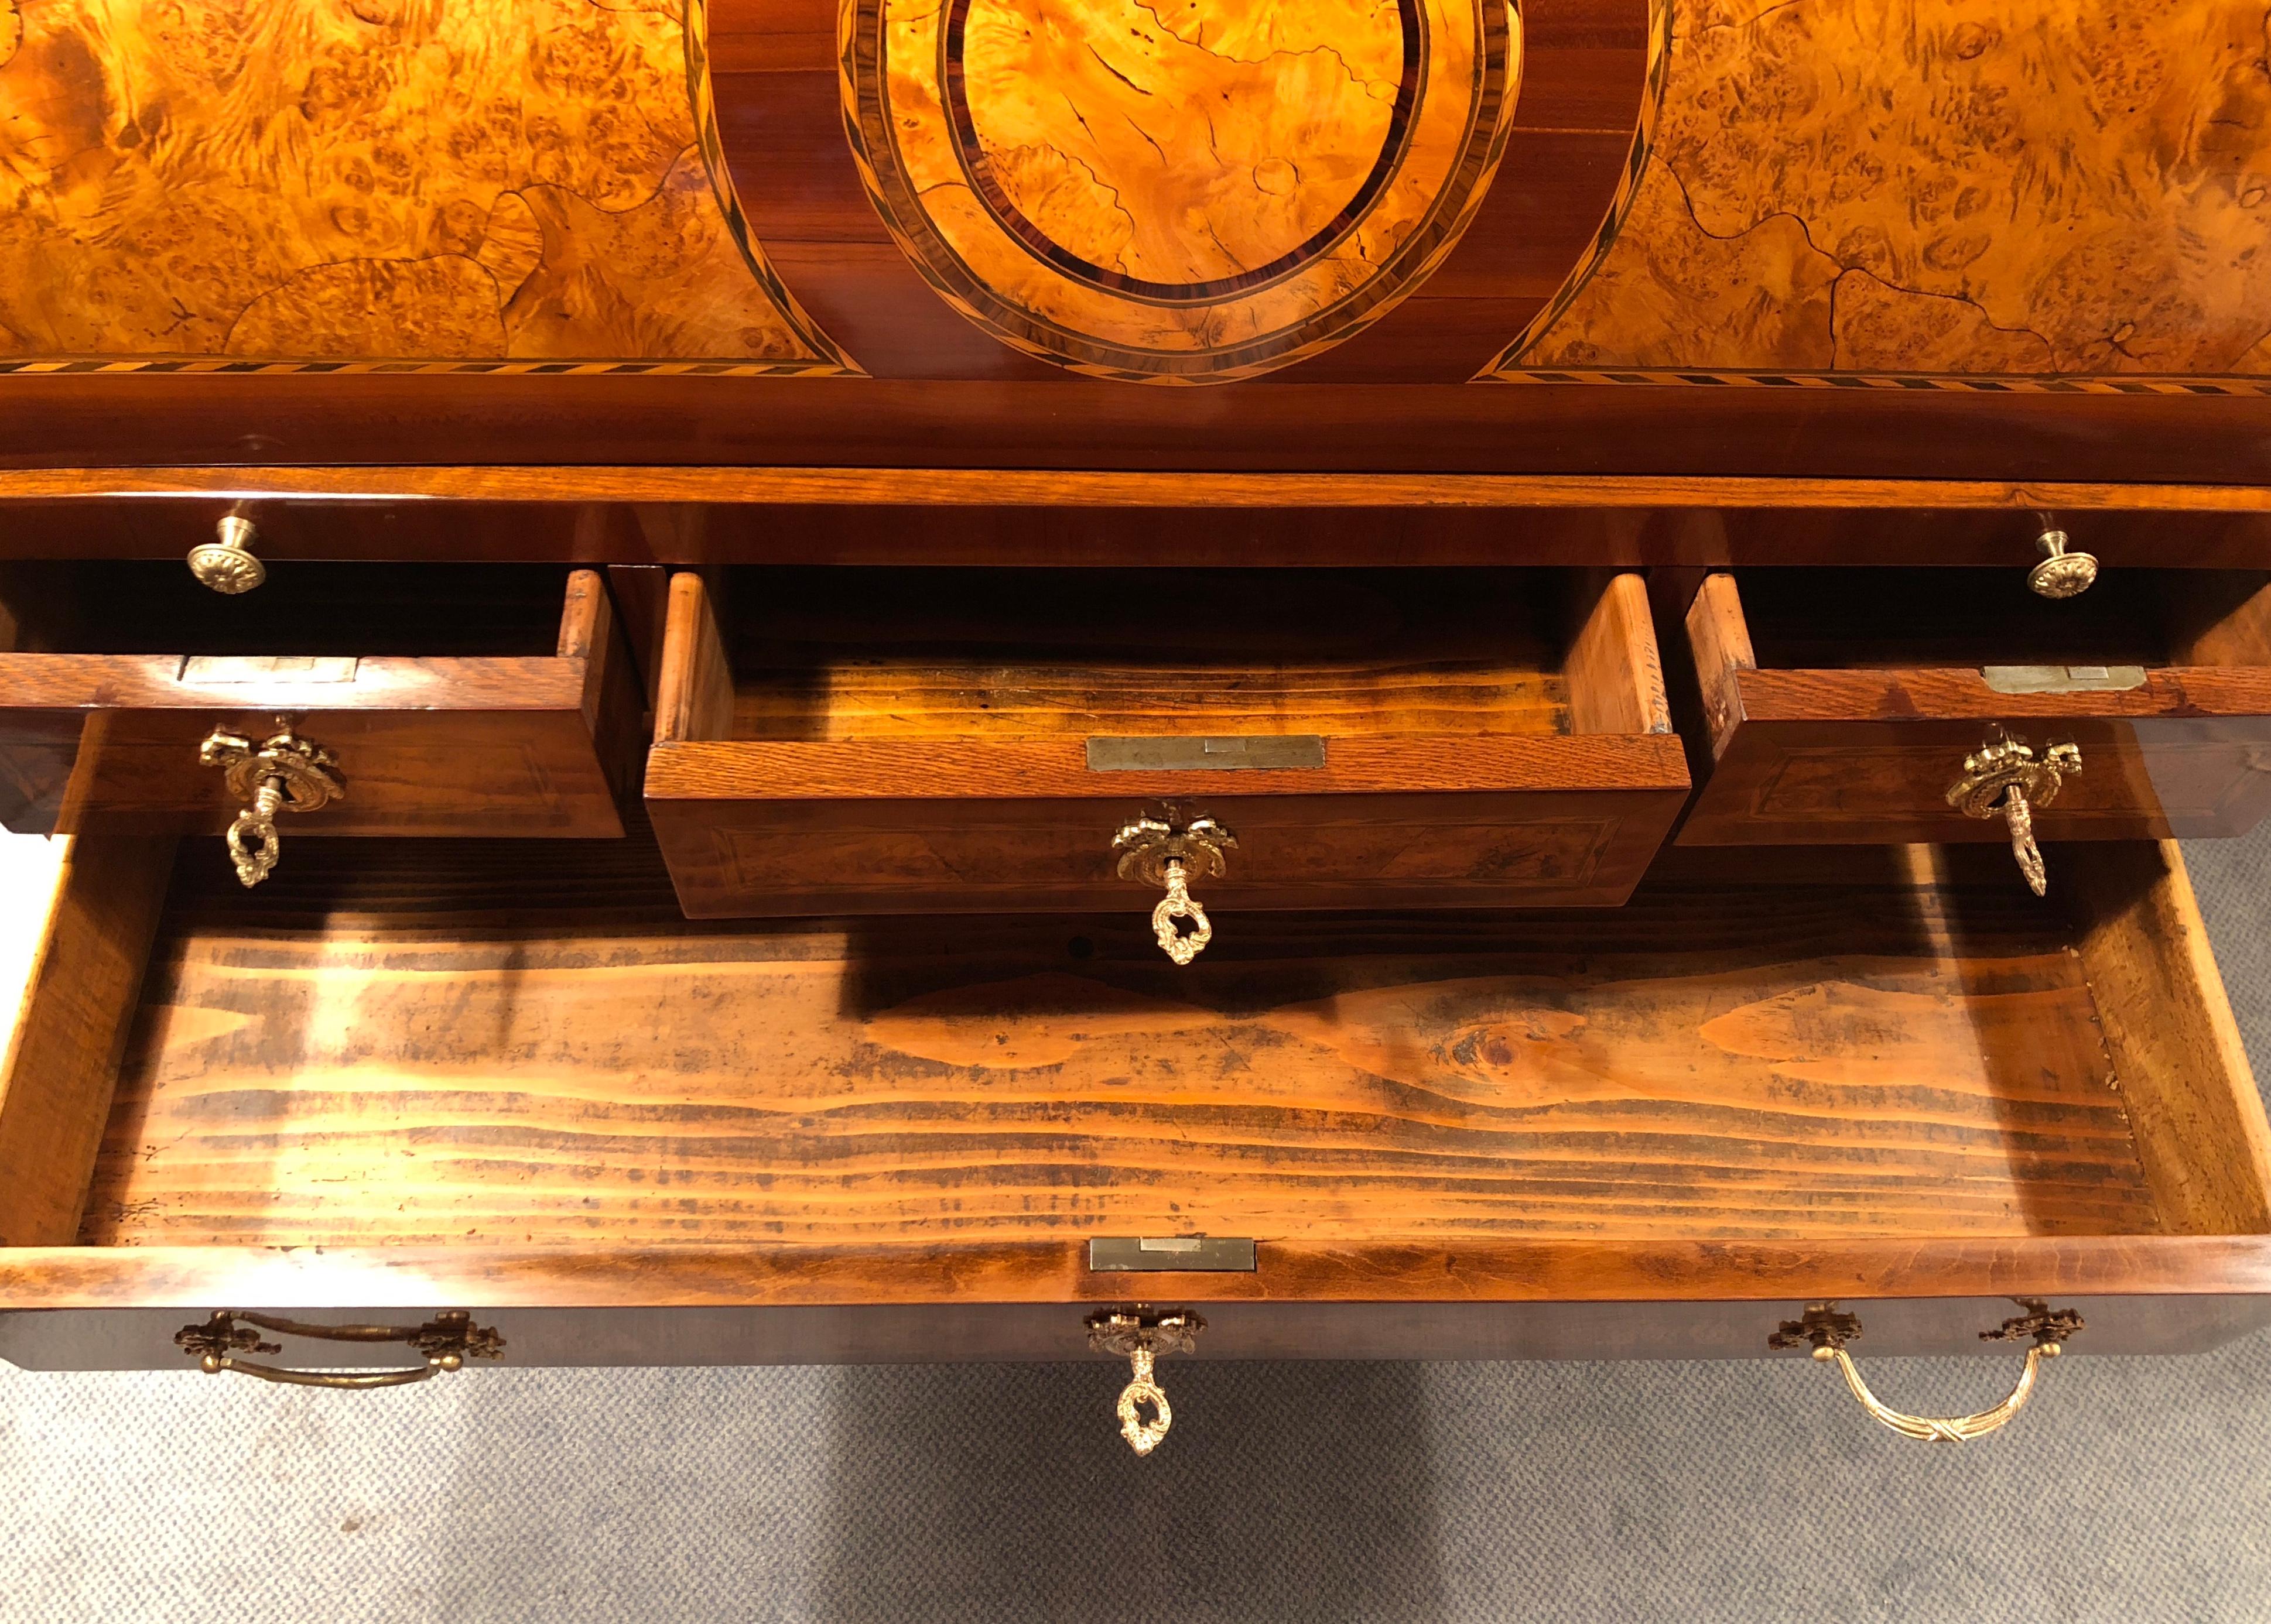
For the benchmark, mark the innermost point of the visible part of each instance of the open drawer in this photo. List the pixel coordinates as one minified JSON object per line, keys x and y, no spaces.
{"x":420,"y":1080}
{"x":838,"y":740}
{"x":1847,"y":705}
{"x":449,"y":700}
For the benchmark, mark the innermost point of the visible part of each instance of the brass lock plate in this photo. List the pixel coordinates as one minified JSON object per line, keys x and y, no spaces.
{"x":1291,"y":752}
{"x":1171,"y":1254}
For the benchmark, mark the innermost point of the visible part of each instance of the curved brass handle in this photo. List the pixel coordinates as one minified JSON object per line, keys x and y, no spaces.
{"x":447,"y":1341}
{"x":1828,"y":1331}
{"x":1141,"y":1339}
{"x":1166,"y":852}
{"x":1954,"y":1429}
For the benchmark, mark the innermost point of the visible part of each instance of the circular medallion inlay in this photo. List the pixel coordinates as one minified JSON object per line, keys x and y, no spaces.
{"x":1185,"y":190}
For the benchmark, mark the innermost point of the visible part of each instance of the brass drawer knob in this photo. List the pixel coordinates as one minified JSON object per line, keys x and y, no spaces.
{"x":1141,"y":1339}
{"x":2061,"y":572}
{"x":226,"y":563}
{"x":1168,"y":852}
{"x":2004,"y":779}
{"x":284,"y":773}
{"x":1828,"y":1331}
{"x":447,"y":1341}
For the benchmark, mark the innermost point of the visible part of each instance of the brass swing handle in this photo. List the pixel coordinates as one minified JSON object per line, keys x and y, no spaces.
{"x":447,"y":1341}
{"x":1829,"y":1332}
{"x":1141,"y":1339}
{"x":1169,"y":852}
{"x":2004,"y":779}
{"x":283,"y":772}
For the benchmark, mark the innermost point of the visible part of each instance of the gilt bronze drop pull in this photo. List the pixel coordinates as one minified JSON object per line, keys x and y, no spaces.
{"x":1170,"y":852}
{"x":284,"y":773}
{"x":2004,"y":779}
{"x":1141,"y":1339}
{"x":1828,"y":1332}
{"x":447,"y":1341}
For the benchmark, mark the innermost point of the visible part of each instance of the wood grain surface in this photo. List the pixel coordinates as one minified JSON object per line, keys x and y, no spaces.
{"x":62,"y":1055}
{"x":442,"y":1048}
{"x":516,"y":182}
{"x":1865,"y":745}
{"x":874,"y":740}
{"x":449,"y":742}
{"x":1892,"y":187}
{"x":1192,"y":195}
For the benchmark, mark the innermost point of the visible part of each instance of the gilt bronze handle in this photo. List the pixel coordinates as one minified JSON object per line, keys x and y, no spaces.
{"x":1828,"y":1331}
{"x":447,"y":1341}
{"x":2004,"y":779}
{"x":1141,"y":1339}
{"x":1168,"y":852}
{"x":227,"y":563}
{"x":284,"y":773}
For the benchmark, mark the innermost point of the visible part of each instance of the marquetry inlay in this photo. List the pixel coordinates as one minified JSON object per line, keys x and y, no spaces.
{"x":1188,"y":192}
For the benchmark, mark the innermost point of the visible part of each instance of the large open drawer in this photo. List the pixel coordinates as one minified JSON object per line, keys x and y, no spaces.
{"x":858,"y":741}
{"x":418,"y":1077}
{"x":454,"y":699}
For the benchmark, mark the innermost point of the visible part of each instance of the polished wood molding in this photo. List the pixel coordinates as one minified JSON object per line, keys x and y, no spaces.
{"x":778,"y":1274}
{"x":949,"y":487}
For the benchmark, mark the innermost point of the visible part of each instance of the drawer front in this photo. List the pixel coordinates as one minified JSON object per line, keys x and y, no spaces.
{"x":663,"y":1334}
{"x":507,"y":746}
{"x":1786,"y":782}
{"x":750,"y":858}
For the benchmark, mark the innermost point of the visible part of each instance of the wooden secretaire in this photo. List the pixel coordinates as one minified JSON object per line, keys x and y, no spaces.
{"x":771,"y":682}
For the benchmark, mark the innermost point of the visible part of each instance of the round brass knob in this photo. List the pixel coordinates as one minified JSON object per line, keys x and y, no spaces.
{"x":225,"y":564}
{"x":2060,"y":574}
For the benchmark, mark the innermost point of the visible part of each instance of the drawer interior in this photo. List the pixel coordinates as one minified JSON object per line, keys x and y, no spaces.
{"x":470,"y":1043}
{"x":855,"y":655}
{"x":1832,"y":619}
{"x":154,"y":607}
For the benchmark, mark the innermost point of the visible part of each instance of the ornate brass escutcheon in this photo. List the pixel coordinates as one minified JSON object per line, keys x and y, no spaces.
{"x":1141,"y":1339}
{"x":1169,"y":852}
{"x":2004,"y":779}
{"x":284,"y":773}
{"x":1827,"y":1331}
{"x":447,"y":1341}
{"x":226,"y":563}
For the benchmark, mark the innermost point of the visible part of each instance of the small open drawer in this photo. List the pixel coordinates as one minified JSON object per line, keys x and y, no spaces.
{"x":1843,"y":705}
{"x":856,"y":741}
{"x":416,"y":1080}
{"x":450,"y":698}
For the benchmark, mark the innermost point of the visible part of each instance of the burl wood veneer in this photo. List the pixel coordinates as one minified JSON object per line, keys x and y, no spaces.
{"x":1930,"y":187}
{"x":1190,"y":193}
{"x":881,"y":740}
{"x":1839,"y":705}
{"x":518,"y":181}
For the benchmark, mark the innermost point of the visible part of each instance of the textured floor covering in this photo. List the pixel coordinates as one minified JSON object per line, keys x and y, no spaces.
{"x":2136,"y":1490}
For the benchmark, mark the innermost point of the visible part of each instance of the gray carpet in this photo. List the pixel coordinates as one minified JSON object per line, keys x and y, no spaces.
{"x":2134,"y":1490}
